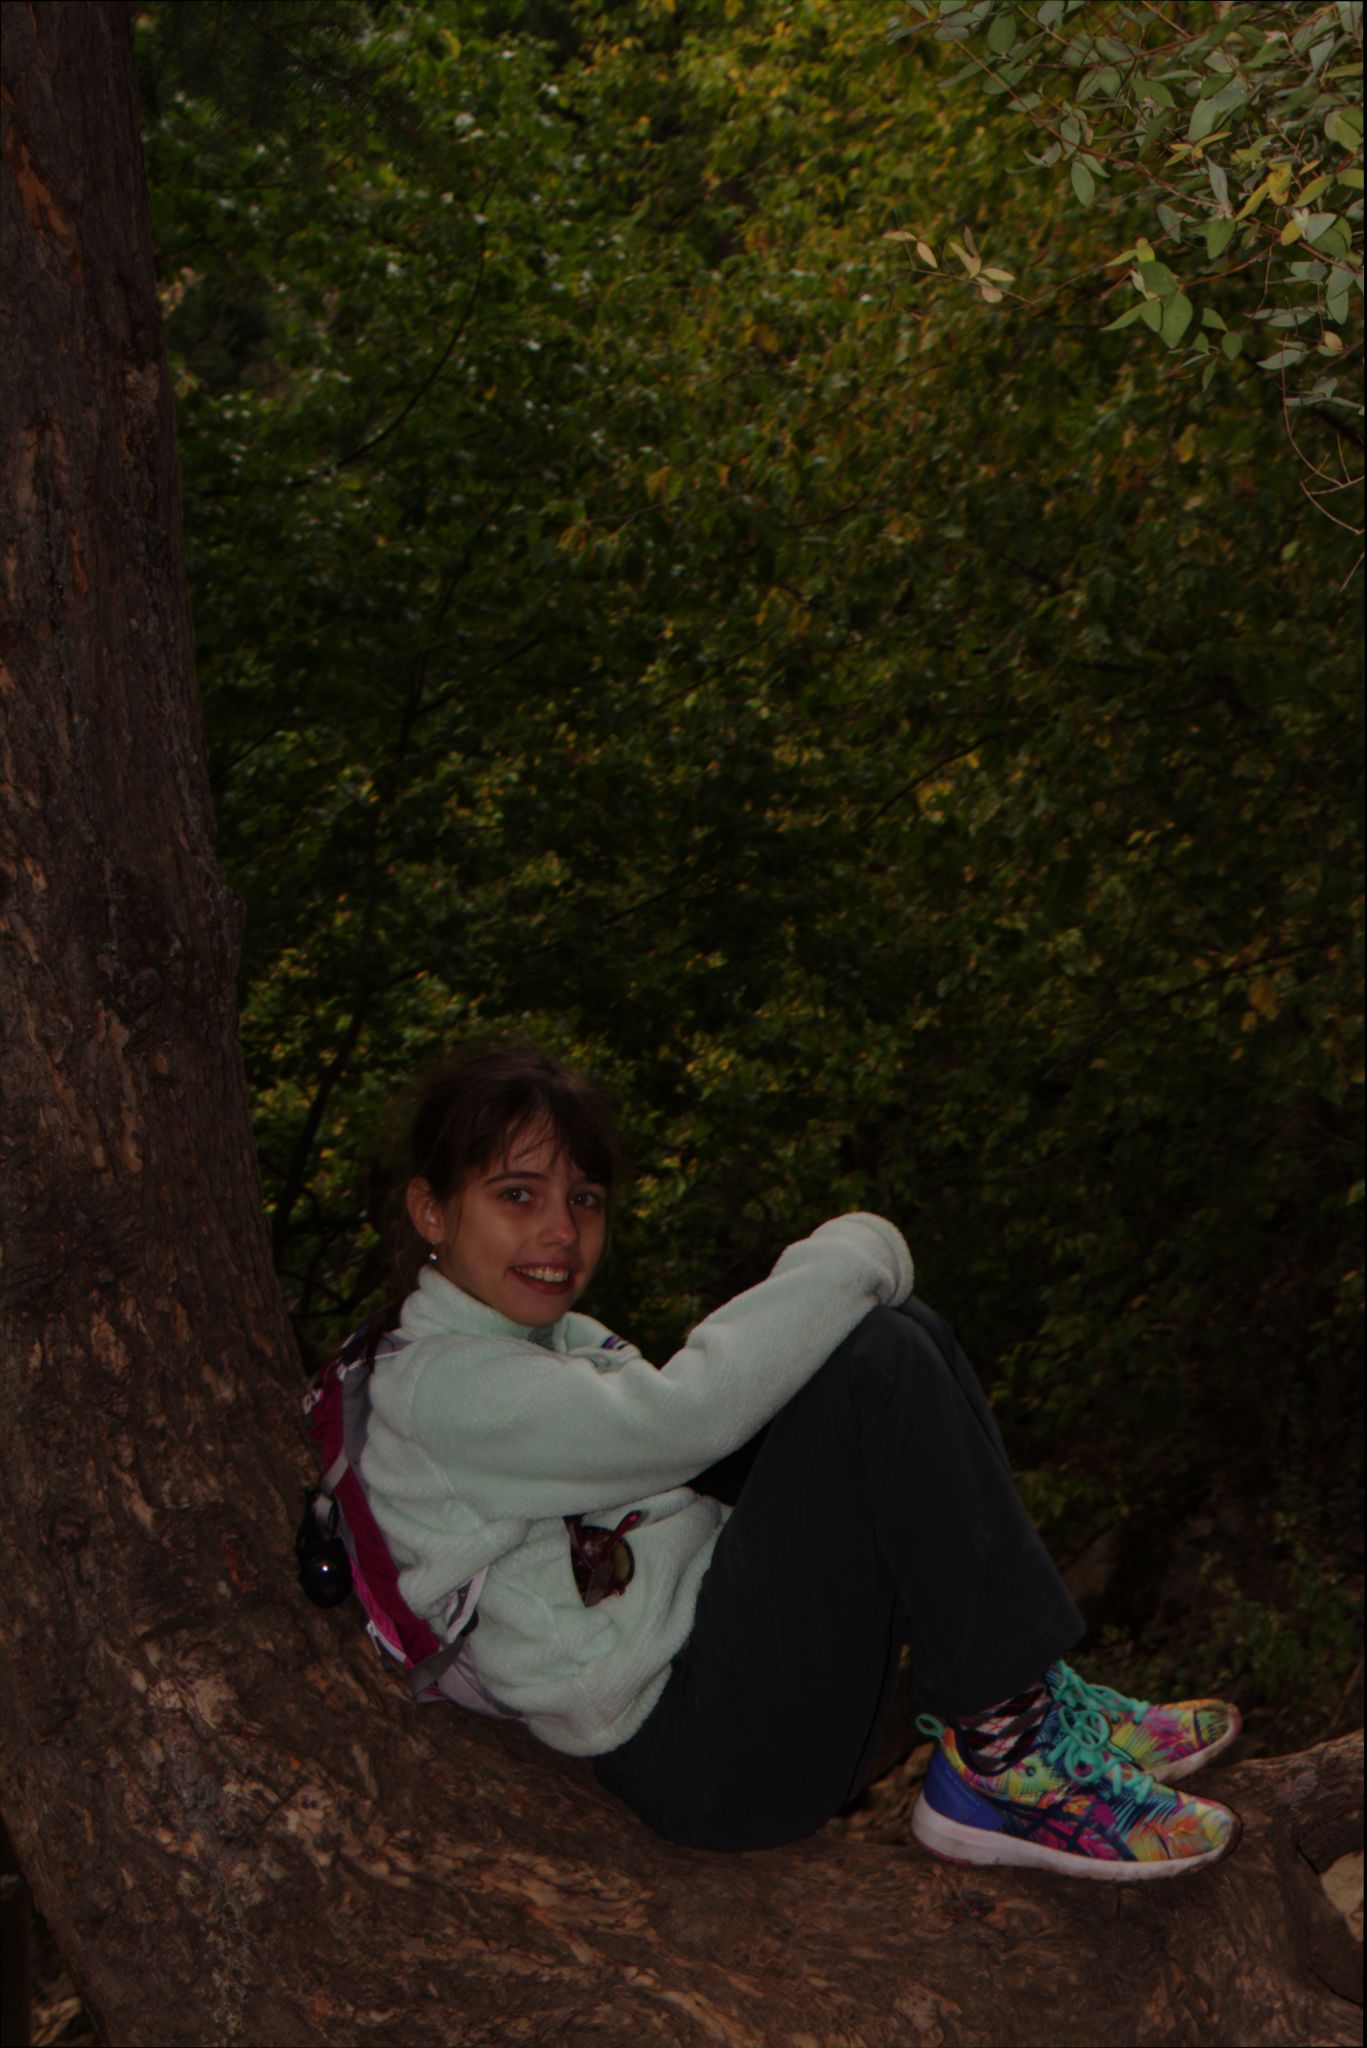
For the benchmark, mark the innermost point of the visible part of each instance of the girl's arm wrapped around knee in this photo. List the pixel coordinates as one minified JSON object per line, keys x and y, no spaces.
{"x":542,"y":1431}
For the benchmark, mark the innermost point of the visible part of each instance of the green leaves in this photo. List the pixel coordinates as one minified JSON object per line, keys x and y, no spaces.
{"x":1336,"y":296}
{"x":1001,"y":35}
{"x":641,"y":601}
{"x":1164,"y":308}
{"x":1208,"y":113}
{"x":1125,"y":319}
{"x":1105,"y":81}
{"x":1157,"y":279}
{"x":1084,"y":184}
{"x":1343,"y":125}
{"x":1265,"y":93}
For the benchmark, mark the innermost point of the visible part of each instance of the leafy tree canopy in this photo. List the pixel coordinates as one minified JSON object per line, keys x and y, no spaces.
{"x":1233,"y":135}
{"x":903,"y":737}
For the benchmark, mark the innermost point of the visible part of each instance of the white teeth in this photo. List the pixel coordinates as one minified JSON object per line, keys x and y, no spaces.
{"x":555,"y":1274}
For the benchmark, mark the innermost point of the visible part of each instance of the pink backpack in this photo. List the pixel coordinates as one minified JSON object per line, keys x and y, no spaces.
{"x":341,"y":1549}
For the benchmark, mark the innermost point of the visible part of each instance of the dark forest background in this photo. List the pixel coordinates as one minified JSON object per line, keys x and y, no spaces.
{"x":691,"y":561}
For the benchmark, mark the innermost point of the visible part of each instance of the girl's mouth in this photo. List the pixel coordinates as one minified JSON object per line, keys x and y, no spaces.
{"x":544,"y":1279}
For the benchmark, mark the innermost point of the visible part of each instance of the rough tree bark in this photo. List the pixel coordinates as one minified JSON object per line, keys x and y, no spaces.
{"x":236,"y":1825}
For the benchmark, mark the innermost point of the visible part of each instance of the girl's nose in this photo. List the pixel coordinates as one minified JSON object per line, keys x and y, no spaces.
{"x":562,"y":1226}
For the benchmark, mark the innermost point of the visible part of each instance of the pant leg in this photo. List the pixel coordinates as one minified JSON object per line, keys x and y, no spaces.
{"x":879,"y":1509}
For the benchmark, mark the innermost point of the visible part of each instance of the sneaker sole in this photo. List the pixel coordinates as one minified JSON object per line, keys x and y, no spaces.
{"x":952,"y":1842}
{"x":1188,"y":1766}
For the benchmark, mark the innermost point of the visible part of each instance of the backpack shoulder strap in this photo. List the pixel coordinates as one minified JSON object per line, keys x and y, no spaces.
{"x":433,"y":1669}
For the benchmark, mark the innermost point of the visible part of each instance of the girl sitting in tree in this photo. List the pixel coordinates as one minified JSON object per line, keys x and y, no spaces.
{"x":729,"y":1669}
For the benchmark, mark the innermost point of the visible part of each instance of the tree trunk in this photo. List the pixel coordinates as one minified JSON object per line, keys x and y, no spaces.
{"x":236,"y":1825}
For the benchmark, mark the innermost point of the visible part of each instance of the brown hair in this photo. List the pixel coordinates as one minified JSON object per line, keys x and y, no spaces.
{"x":473,"y":1109}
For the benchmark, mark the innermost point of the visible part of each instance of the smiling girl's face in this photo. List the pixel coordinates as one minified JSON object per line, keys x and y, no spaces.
{"x":523,"y":1235}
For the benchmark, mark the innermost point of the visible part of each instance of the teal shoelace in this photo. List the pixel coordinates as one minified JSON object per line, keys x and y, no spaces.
{"x":1078,"y":1737}
{"x":1065,"y":1684}
{"x":1084,"y":1712}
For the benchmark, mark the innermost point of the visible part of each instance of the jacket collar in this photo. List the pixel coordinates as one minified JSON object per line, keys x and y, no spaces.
{"x":437,"y":1307}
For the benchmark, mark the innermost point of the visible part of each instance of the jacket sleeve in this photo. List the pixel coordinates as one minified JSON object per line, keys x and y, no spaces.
{"x":524,"y":1431}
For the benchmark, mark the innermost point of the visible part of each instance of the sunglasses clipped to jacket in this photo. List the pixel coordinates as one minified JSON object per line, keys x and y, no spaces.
{"x":601,"y":1559}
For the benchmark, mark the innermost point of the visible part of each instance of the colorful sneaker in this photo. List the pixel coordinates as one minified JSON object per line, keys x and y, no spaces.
{"x":1167,"y":1742}
{"x":1069,"y":1806}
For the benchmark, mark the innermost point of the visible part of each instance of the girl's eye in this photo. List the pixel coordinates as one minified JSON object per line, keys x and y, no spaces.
{"x":589,"y":1198}
{"x":517,"y":1195}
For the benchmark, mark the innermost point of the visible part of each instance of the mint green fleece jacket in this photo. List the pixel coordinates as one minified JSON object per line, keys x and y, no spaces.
{"x":484,"y":1434}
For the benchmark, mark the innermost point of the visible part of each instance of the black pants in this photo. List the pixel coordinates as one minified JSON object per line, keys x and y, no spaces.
{"x":879,"y":1510}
